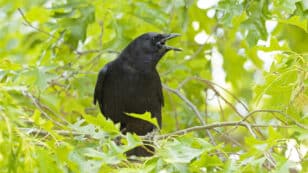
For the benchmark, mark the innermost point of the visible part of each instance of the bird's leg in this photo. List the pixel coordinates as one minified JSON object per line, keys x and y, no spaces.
{"x":150,"y":136}
{"x":124,"y":130}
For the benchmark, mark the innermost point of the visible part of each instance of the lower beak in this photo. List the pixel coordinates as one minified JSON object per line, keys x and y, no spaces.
{"x":168,"y":37}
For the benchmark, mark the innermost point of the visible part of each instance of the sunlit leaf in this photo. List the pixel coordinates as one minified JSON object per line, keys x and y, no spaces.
{"x":146,"y":116}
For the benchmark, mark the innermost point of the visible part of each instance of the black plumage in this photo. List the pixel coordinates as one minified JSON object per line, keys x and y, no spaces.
{"x":131,"y":84}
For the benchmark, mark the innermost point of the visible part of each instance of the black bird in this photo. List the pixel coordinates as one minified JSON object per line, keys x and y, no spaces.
{"x":131,"y":84}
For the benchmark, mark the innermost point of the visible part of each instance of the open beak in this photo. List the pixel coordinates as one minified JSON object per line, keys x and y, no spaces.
{"x":168,"y":37}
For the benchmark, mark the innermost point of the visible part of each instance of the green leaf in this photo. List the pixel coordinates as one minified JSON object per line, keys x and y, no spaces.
{"x":39,"y":76}
{"x":103,"y":123}
{"x":46,"y":162}
{"x":150,"y":13}
{"x":229,"y":9}
{"x":297,"y":21}
{"x":210,"y":162}
{"x":230,"y":166}
{"x":256,"y":30}
{"x":146,"y":116}
{"x":6,"y":64}
{"x":85,"y":165}
{"x":132,"y":141}
{"x":183,"y":149}
{"x":75,"y":22}
{"x":287,"y":6}
{"x":39,"y":14}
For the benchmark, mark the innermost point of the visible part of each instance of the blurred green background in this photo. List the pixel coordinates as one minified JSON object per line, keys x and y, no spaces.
{"x":239,"y":58}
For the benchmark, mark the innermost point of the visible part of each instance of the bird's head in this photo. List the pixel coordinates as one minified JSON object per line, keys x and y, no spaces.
{"x":155,"y":42}
{"x":150,"y":47}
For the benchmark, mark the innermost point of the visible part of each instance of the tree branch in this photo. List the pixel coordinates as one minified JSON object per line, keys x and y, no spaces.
{"x":40,"y":108}
{"x":188,"y":102}
{"x":216,"y":125}
{"x":35,"y":131}
{"x":193,"y":107}
{"x":279,"y":112}
{"x":28,"y":23}
{"x":40,"y":132}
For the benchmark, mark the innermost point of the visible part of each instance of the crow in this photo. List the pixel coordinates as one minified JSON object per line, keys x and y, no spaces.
{"x":131,"y":84}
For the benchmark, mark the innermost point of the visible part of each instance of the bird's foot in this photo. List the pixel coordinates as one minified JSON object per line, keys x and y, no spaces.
{"x":151,"y":135}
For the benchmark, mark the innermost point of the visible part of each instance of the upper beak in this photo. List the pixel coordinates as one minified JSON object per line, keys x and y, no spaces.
{"x":168,"y":37}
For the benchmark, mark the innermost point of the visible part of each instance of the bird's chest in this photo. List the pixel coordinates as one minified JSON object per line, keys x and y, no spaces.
{"x":136,"y":91}
{"x":142,"y":85}
{"x":131,"y":90}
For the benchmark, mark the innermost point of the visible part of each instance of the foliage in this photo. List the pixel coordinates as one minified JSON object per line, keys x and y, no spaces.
{"x":240,"y":85}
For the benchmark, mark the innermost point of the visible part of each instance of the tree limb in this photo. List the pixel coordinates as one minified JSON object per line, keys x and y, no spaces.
{"x":216,"y":125}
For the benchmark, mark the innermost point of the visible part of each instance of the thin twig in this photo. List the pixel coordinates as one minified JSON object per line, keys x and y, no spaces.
{"x":234,"y":141}
{"x":279,"y":112}
{"x":188,"y":102}
{"x":193,"y":107}
{"x":87,"y":52}
{"x":28,"y":23}
{"x":248,"y":126}
{"x":101,"y":24}
{"x":216,"y":125}
{"x":221,"y":109}
{"x":206,"y":114}
{"x":177,"y":125}
{"x":224,"y":89}
{"x":40,"y":132}
{"x":38,"y":106}
{"x":212,"y":85}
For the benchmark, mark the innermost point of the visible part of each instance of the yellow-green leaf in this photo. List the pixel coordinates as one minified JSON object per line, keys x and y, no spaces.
{"x":146,"y":116}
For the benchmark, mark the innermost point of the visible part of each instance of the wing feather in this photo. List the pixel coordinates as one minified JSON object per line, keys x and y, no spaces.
{"x":99,"y":89}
